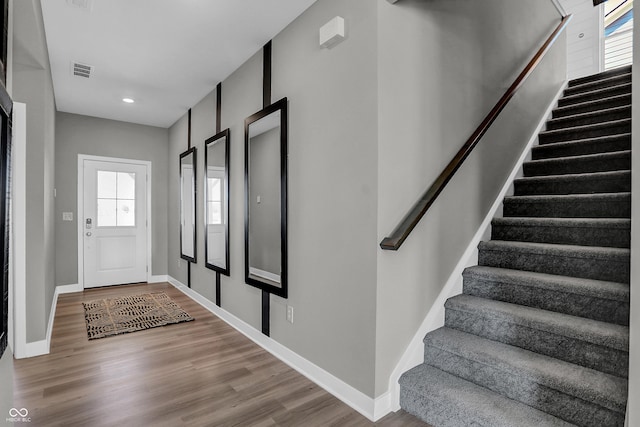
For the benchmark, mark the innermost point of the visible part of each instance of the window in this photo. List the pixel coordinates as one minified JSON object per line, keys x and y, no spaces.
{"x":116,"y":199}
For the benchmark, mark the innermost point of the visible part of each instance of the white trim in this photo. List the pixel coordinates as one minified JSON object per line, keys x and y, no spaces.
{"x":80,"y":216}
{"x":158,"y":279}
{"x":264,"y":274}
{"x":38,"y":348}
{"x":343,"y":391}
{"x":414,"y":354}
{"x":19,"y":228}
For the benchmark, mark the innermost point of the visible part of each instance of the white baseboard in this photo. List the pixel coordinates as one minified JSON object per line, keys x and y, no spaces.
{"x":414,"y":354}
{"x":158,"y":279}
{"x":36,"y":348}
{"x":39,"y":348}
{"x":362,"y":403}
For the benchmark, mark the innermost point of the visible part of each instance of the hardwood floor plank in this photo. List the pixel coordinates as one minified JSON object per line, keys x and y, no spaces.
{"x":200,"y":373}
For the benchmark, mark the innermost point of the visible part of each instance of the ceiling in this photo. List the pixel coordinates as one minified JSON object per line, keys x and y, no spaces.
{"x":165,"y":54}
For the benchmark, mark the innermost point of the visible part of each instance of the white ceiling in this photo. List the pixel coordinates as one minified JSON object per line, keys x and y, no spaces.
{"x":165,"y":54}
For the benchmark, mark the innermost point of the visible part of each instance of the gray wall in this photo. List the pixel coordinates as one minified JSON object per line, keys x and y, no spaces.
{"x":633,"y":414}
{"x":442,"y":65}
{"x":332,"y":162}
{"x":371,"y":122}
{"x":77,"y":134}
{"x":32,"y":85}
{"x":264,"y":229}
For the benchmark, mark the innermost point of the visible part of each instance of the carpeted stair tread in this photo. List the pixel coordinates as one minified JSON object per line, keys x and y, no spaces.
{"x":602,"y":75}
{"x":595,"y":95}
{"x":589,"y":262}
{"x":589,"y":106}
{"x":586,"y":163}
{"x":596,"y":145}
{"x":590,"y":343}
{"x":591,"y":331}
{"x":614,"y":127}
{"x":591,"y":299}
{"x":580,"y":183}
{"x":525,"y":375}
{"x":608,"y":232}
{"x":605,"y":82}
{"x":445,"y":400}
{"x":592,"y":117}
{"x":602,"y":205}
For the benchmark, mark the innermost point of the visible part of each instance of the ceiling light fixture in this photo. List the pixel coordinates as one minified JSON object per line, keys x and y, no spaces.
{"x":128,"y":100}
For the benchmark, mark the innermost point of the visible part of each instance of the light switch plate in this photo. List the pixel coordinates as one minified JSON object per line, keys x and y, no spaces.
{"x":67,"y":216}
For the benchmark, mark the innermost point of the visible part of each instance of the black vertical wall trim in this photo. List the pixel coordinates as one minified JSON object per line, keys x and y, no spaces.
{"x":189,"y":131}
{"x":218,"y":107}
{"x":266,"y":75}
{"x":218,"y":299}
{"x":266,"y":312}
{"x":266,"y":101}
{"x":189,"y":146}
{"x":218,"y":126}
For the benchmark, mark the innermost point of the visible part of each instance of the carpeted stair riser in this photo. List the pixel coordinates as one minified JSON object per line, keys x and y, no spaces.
{"x":615,"y":233}
{"x":569,"y":206}
{"x":590,"y":118}
{"x":444,"y":400}
{"x":600,"y":162}
{"x":610,"y":264}
{"x":599,"y":182}
{"x":589,"y":106}
{"x":600,"y":76}
{"x":479,"y":361}
{"x":598,"y":84}
{"x":582,"y":147}
{"x":587,"y":131}
{"x":552,"y":334}
{"x":596,"y":300}
{"x":595,"y":95}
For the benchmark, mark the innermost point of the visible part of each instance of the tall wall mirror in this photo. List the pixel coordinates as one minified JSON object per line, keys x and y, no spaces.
{"x":265,"y":178}
{"x":216,"y":202}
{"x":188,"y":205}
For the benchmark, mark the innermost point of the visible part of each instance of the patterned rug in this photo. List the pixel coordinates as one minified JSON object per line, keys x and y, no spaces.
{"x":114,"y":316}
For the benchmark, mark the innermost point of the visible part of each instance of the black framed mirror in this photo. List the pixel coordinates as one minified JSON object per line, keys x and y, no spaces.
{"x":216,"y":202}
{"x":188,"y":205}
{"x":265,"y":181}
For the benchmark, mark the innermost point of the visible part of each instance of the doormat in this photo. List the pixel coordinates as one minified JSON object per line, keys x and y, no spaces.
{"x":115,"y":316}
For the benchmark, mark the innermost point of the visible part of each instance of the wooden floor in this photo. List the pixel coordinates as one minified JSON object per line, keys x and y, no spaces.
{"x":201,"y":373}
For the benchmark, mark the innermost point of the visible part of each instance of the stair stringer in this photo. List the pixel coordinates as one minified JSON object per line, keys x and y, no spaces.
{"x":414,"y":352}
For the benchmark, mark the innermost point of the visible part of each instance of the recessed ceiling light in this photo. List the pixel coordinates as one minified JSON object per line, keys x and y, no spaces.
{"x":128,"y":100}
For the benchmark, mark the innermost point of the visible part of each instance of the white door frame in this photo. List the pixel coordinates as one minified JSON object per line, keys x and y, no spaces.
{"x":80,"y":216}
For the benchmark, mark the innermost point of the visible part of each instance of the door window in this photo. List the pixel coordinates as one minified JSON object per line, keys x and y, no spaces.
{"x":116,"y":199}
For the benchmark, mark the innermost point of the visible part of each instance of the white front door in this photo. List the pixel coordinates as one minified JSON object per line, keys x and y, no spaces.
{"x":114,"y":223}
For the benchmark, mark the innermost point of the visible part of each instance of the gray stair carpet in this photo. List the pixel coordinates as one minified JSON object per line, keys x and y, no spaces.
{"x":540,"y":336}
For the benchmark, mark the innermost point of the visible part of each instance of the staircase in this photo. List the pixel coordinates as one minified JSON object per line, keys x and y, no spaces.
{"x":540,"y":335}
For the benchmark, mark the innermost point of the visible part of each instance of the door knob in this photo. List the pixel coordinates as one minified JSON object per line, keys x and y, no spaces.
{"x":88,"y":234}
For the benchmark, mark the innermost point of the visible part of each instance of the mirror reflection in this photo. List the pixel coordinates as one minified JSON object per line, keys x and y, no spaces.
{"x":188,"y":205}
{"x":217,"y":202}
{"x":265,"y":175}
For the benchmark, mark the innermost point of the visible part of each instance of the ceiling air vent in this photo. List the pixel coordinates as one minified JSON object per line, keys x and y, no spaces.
{"x":81,"y":70}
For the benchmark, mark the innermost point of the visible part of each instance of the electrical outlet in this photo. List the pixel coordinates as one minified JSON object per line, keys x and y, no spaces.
{"x":179,"y":263}
{"x":289,"y":314}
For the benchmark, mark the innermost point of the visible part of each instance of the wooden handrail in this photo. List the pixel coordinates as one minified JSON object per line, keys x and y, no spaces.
{"x":411,"y":219}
